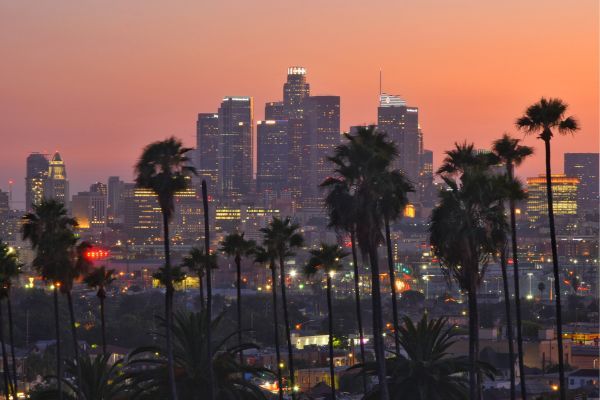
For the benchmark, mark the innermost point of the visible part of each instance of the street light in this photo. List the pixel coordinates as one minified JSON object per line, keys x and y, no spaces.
{"x":426,"y":279}
{"x":530,"y":295}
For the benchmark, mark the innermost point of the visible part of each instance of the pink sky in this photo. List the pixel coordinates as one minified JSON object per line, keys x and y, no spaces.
{"x":99,"y":80}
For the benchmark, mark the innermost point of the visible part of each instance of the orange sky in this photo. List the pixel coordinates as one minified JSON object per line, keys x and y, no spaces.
{"x":98,"y":80}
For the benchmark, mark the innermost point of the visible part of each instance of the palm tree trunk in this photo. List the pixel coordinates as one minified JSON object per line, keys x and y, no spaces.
{"x":276,"y":329}
{"x":378,"y":342}
{"x":102,"y":321}
{"x":201,"y":289}
{"x":59,"y":375}
{"x":74,"y":336}
{"x":238,"y":284}
{"x":555,"y":268}
{"x":5,"y":373}
{"x":358,"y":310}
{"x":388,"y":241}
{"x":330,"y":326}
{"x":169,"y":308}
{"x":286,"y":320}
{"x":515,"y":256}
{"x":211,"y":391}
{"x":473,"y":342}
{"x":12,"y":341}
{"x":509,"y":328}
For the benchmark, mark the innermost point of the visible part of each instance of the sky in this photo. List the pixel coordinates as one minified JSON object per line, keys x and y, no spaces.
{"x":98,"y":80}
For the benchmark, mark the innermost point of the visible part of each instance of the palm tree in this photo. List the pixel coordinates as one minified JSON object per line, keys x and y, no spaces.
{"x":10,"y":268}
{"x":197,"y":262}
{"x":283,"y":236}
{"x":149,"y":378}
{"x":360,"y":161}
{"x":394,"y":188}
{"x":211,"y":389}
{"x":164,"y":168}
{"x":543,"y":118}
{"x":427,"y":372}
{"x":328,"y":260}
{"x":512,"y":154}
{"x":49,"y":230}
{"x":99,"y":279}
{"x":266,"y":255}
{"x":8,"y":384}
{"x":236,"y":246}
{"x":341,"y":207}
{"x":466,"y":227}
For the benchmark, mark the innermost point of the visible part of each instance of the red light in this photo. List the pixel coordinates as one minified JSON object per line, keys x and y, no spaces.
{"x":96,"y":254}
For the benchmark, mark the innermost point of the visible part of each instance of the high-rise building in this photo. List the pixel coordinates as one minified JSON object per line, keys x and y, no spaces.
{"x":564,"y":194}
{"x":89,"y":209}
{"x":114,"y":204}
{"x":207,"y":149}
{"x":273,"y":156}
{"x":4,"y":215}
{"x":427,"y":192}
{"x":295,"y":91}
{"x":322,"y":123}
{"x":585,"y":167}
{"x":401,"y":123}
{"x":37,"y":171}
{"x":236,"y":147}
{"x":56,"y":185}
{"x":276,"y":111}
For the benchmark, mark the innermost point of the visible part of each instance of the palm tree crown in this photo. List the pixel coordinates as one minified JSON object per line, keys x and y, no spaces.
{"x":327,"y":259}
{"x":99,"y":279}
{"x":546,"y":115}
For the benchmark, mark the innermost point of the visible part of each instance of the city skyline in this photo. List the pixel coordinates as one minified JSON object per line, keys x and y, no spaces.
{"x":133,"y":96}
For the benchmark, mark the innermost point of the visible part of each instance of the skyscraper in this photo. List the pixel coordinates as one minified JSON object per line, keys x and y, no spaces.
{"x":37,"y":171}
{"x":585,"y":167}
{"x":236,"y":147}
{"x":564,"y":193}
{"x":114,"y":204}
{"x":401,"y":123}
{"x":275,"y":110}
{"x":207,"y":149}
{"x":56,"y":185}
{"x":322,"y":119}
{"x":295,"y":91}
{"x":426,"y":189}
{"x":273,"y":156}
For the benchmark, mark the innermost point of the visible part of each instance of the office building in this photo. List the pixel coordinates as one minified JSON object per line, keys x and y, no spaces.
{"x":564,"y":194}
{"x":236,"y":148}
{"x":426,"y":189}
{"x":273,"y":157}
{"x":401,"y":123}
{"x":275,"y":110}
{"x":585,"y":167}
{"x":36,"y":173}
{"x":322,"y":124}
{"x":295,"y":91}
{"x":89,"y":209}
{"x":56,"y":185}
{"x":114,"y":204}
{"x":207,"y":149}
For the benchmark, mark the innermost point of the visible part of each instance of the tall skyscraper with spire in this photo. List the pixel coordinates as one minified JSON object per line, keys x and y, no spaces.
{"x":236,"y":147}
{"x":56,"y":185}
{"x":35,"y":177}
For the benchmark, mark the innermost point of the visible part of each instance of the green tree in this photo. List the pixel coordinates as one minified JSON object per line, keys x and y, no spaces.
{"x":10,"y":268}
{"x":197,"y":262}
{"x":544,"y":118}
{"x":99,"y":279}
{"x":49,"y":230}
{"x":236,"y":246}
{"x":164,"y":168}
{"x":512,"y":154}
{"x":283,"y":237}
{"x":466,"y":227}
{"x":360,"y":161}
{"x":328,"y":260}
{"x":427,"y":372}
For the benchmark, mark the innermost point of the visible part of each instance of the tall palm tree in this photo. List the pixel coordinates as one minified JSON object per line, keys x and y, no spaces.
{"x":341,"y":207}
{"x":328,"y":260}
{"x":50,"y":232}
{"x":364,"y":157}
{"x":164,"y":168}
{"x":428,"y":372}
{"x":236,"y":246}
{"x":544,"y":118}
{"x":466,"y":227}
{"x":512,"y":154}
{"x":8,"y":384}
{"x":283,"y":237}
{"x":266,"y":255}
{"x":394,"y":188}
{"x":207,"y":254}
{"x":197,"y":262}
{"x":10,"y":268}
{"x":99,"y":279}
